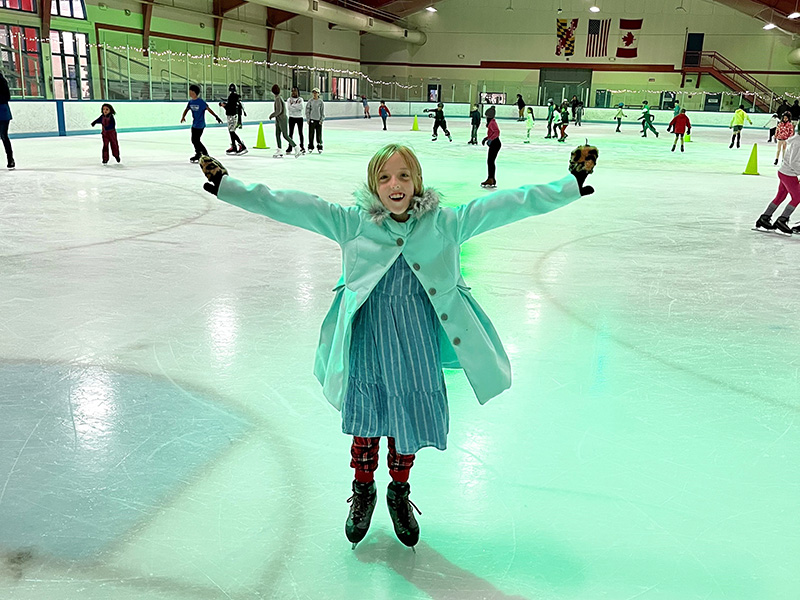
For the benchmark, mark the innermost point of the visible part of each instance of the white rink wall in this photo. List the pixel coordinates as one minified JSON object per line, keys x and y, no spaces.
{"x":42,"y":118}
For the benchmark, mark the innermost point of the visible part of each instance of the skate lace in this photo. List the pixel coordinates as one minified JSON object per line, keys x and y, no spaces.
{"x":405,"y":511}
{"x":359,"y":505}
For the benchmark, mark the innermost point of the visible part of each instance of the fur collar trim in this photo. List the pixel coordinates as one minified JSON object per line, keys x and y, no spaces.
{"x":369,"y":202}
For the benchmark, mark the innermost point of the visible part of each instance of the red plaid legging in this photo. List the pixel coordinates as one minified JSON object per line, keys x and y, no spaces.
{"x":364,"y":459}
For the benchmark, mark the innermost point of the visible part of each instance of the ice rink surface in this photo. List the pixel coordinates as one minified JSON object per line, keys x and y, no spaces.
{"x":162,"y":436}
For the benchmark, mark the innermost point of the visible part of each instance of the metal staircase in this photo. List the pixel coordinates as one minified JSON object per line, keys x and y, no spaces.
{"x":727,"y":73}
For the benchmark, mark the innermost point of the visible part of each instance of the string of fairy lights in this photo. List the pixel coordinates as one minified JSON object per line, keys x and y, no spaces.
{"x":224,"y":61}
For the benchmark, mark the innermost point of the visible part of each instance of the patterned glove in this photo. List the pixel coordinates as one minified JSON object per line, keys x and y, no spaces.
{"x":213,"y":170}
{"x":581,"y":164}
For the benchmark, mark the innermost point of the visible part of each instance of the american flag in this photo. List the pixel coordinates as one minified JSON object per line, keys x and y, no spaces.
{"x":597,"y":40}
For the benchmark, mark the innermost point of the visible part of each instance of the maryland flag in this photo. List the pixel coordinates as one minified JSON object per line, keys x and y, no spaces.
{"x":565,"y":30}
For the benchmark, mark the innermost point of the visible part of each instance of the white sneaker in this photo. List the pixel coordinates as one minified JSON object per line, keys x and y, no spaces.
{"x":278,"y":153}
{"x":296,"y":151}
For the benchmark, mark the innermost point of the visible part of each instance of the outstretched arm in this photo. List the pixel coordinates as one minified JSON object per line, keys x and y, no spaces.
{"x":183,"y":116}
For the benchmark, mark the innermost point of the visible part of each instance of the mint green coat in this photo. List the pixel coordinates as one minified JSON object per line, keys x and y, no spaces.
{"x":430,"y":243}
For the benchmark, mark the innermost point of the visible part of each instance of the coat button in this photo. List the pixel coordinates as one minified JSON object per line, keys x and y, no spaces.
{"x":456,"y":341}
{"x":415,"y":266}
{"x":399,"y":241}
{"x":432,"y":291}
{"x":444,"y":316}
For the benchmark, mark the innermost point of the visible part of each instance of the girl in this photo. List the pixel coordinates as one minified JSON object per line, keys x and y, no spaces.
{"x":281,"y":125}
{"x":529,"y":119}
{"x":233,"y":111}
{"x":383,"y":111}
{"x":564,"y":121}
{"x":772,"y":125}
{"x":619,"y":116}
{"x":551,"y":127}
{"x":680,"y":125}
{"x":521,"y":107}
{"x":475,"y":120}
{"x":438,"y":121}
{"x":365,"y":102}
{"x":402,"y":311}
{"x":493,"y":137}
{"x":737,"y":124}
{"x":788,"y":184}
{"x":295,"y":108}
{"x":783,"y":131}
{"x":109,"y":132}
{"x":5,"y":121}
{"x":647,"y":120}
{"x":315,"y":115}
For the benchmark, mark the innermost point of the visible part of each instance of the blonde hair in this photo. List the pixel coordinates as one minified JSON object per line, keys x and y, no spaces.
{"x":378,"y":161}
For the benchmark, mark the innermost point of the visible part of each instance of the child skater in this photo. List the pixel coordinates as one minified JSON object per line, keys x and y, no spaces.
{"x":475,"y":119}
{"x":647,"y":120}
{"x":619,"y":116}
{"x":772,"y":125}
{"x":383,"y":111}
{"x":198,"y":107}
{"x":783,"y":132}
{"x":233,"y":109}
{"x":5,"y":121}
{"x":737,"y":124}
{"x":493,"y":139}
{"x":282,"y":125}
{"x":438,"y":121}
{"x":680,"y":126}
{"x":402,"y":311}
{"x":315,"y":115}
{"x":295,"y":108}
{"x":564,"y":121}
{"x":365,"y":103}
{"x":529,"y":119}
{"x":109,"y":132}
{"x":788,"y":184}
{"x":551,"y":128}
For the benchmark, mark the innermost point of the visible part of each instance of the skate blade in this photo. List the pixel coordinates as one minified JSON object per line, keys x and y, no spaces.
{"x":772,"y":231}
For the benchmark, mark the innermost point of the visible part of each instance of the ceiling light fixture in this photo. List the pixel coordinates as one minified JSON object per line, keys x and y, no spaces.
{"x":431,"y":9}
{"x":594,"y":8}
{"x":795,"y":14}
{"x":770,"y":24}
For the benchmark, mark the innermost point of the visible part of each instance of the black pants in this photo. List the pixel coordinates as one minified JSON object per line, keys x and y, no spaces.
{"x":314,"y":130}
{"x":384,"y":121}
{"x":772,"y":133}
{"x":297,"y":122}
{"x":199,"y":149}
{"x":473,"y":137}
{"x":443,"y":125}
{"x":619,"y":122}
{"x":6,"y":140}
{"x":494,"y":148}
{"x":551,"y":128}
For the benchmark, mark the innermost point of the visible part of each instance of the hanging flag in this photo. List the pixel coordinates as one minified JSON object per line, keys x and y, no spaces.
{"x":565,"y":30}
{"x":628,"y":38}
{"x":597,"y":39}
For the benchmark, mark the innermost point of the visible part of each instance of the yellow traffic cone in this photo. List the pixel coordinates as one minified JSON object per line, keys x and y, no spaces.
{"x":415,"y":126}
{"x":687,"y":137}
{"x":261,"y":143}
{"x":752,"y":164}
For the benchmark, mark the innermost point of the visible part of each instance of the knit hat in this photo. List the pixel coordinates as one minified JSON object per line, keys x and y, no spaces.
{"x":232,"y":87}
{"x":490,"y":112}
{"x":315,"y":90}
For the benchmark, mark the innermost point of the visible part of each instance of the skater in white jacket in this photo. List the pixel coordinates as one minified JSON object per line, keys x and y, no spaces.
{"x":295,"y":108}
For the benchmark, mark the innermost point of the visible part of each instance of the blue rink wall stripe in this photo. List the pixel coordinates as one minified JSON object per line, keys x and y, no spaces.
{"x":62,"y":122}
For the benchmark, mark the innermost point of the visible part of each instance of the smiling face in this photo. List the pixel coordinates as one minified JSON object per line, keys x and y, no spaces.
{"x":106,"y":110}
{"x":396,"y":187}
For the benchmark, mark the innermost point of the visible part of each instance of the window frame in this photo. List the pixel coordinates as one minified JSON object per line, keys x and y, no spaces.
{"x":60,"y":58}
{"x":55,"y":8}
{"x":34,"y":10}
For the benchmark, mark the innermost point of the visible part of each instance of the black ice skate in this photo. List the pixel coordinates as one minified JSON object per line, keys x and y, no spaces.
{"x":434,"y":138}
{"x":195,"y":159}
{"x":231,"y":150}
{"x":11,"y":164}
{"x":489,"y":183}
{"x":401,"y":510}
{"x":782,"y":225}
{"x":362,"y":505}
{"x":241,"y":151}
{"x":764,"y":223}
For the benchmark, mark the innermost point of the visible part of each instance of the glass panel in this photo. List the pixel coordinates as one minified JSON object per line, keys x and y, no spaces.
{"x":58,"y":68}
{"x":65,"y":8}
{"x":58,"y":89}
{"x":80,"y":38}
{"x":69,"y":42}
{"x":12,"y":4}
{"x":77,"y":9}
{"x":31,"y":41}
{"x":53,"y":7}
{"x":28,"y":6}
{"x":55,"y":42}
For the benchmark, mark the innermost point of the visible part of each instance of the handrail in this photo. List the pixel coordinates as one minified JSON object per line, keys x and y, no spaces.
{"x":715,"y":62}
{"x":163,"y":79}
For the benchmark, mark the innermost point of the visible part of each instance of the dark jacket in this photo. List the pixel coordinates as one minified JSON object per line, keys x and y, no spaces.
{"x":108,"y":121}
{"x":795,"y":112}
{"x":233,"y":104}
{"x":5,"y":93}
{"x":476,"y":117}
{"x":520,"y":103}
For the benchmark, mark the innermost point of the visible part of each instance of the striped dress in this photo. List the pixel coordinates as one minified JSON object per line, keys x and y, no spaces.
{"x":396,"y":385}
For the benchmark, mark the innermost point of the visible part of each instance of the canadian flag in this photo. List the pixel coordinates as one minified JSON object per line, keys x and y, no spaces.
{"x":628,"y":38}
